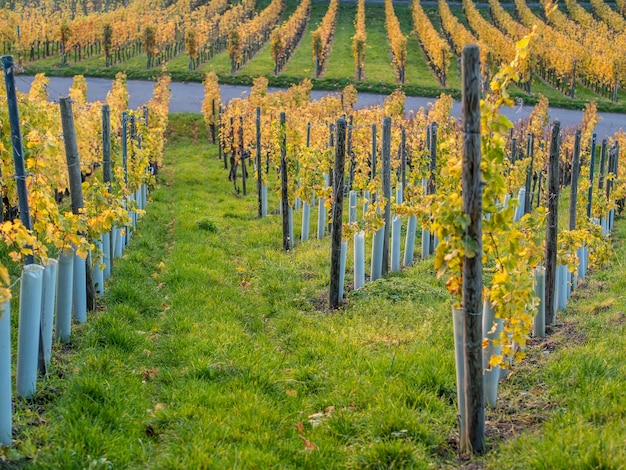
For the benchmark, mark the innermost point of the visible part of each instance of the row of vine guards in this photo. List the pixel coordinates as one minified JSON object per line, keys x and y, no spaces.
{"x":450,"y":194}
{"x":59,"y":291}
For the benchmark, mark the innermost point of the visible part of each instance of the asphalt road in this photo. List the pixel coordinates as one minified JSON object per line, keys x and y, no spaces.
{"x":187,"y":97}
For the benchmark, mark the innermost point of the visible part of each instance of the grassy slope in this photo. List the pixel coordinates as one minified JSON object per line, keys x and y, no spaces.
{"x":340,"y":64}
{"x":301,"y":62}
{"x":378,"y":66}
{"x":212,"y":358}
{"x":379,"y":76}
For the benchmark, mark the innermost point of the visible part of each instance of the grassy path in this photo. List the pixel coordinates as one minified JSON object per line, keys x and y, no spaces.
{"x":340,"y":64}
{"x":301,"y":62}
{"x":212,"y":352}
{"x":263,"y":63}
{"x":378,"y":66}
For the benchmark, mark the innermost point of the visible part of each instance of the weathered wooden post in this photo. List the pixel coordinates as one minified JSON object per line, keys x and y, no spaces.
{"x":552,"y":222}
{"x":472,"y":266}
{"x":259,"y":178}
{"x":336,"y":235}
{"x":574,"y":185}
{"x":386,"y":164}
{"x":283,"y":178}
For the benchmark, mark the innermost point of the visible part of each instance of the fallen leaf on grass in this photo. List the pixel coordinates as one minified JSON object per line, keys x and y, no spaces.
{"x":149,"y":374}
{"x":308,"y":445}
{"x":291,"y":393}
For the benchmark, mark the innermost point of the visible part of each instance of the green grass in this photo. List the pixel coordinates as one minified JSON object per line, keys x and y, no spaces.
{"x":263,"y":63}
{"x":214,"y":344}
{"x":301,"y":62}
{"x":339,"y":71}
{"x":378,"y":66}
{"x":340,"y":64}
{"x":418,"y":71}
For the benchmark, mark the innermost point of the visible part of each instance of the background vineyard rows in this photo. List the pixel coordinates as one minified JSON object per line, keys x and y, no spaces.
{"x":568,"y":65}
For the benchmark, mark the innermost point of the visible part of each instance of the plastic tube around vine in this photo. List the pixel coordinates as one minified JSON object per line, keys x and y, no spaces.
{"x":540,"y":291}
{"x":291,"y":236}
{"x":6,"y":408}
{"x":106,"y":255}
{"x":342,"y":267}
{"x":582,"y":262}
{"x":352,"y":211}
{"x":396,"y":228}
{"x":28,"y":334}
{"x":425,"y":244}
{"x":48,"y":300}
{"x":409,"y":245}
{"x":359,"y":260}
{"x":65,"y":286}
{"x":321,"y":219}
{"x":459,"y":353}
{"x":377,"y":253}
{"x":306,"y":221}
{"x":264,"y":200}
{"x":366,"y":201}
{"x":399,"y":194}
{"x":492,"y":327}
{"x":561,"y":290}
{"x":98,"y":272}
{"x":79,"y":293}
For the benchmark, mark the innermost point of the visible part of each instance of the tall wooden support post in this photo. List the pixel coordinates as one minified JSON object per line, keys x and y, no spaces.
{"x":283,"y":179}
{"x":432,"y":179}
{"x":124,"y":146}
{"x":350,"y":153}
{"x":336,"y":234}
{"x":592,"y":165}
{"x":106,"y":144}
{"x":76,"y":189}
{"x":220,"y":138}
{"x":241,"y":156}
{"x":472,"y":266}
{"x":530,"y":153}
{"x":386,"y":163}
{"x":331,"y":183}
{"x":374,"y":151}
{"x":552,"y":223}
{"x":18,"y":150}
{"x":574,"y":186}
{"x":259,"y":171}
{"x":403,"y":159}
{"x":601,"y":169}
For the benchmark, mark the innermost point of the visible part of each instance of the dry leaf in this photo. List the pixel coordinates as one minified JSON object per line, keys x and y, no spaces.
{"x":308,"y":445}
{"x":291,"y":393}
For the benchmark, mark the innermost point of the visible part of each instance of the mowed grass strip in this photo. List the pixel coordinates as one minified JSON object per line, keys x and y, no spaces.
{"x":301,"y":62}
{"x":378,"y":66}
{"x":263,"y":63}
{"x":418,"y":71}
{"x":340,"y":63}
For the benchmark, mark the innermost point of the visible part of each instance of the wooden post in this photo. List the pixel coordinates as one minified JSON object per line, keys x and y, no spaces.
{"x":592,"y":164}
{"x":18,"y":150}
{"x":76,"y":189}
{"x":605,"y":144}
{"x":373,"y":168}
{"x":529,"y":172}
{"x":386,"y":163}
{"x":259,"y":178}
{"x":403,"y":159}
{"x":106,"y":144}
{"x":432,"y":187}
{"x":124,"y":145}
{"x":472,"y":267}
{"x":241,"y":157}
{"x":283,"y":178}
{"x":573,"y":199}
{"x":552,"y":223}
{"x":336,"y":234}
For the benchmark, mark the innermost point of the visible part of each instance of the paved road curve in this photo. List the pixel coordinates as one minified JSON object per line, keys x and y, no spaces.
{"x":187,"y":97}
